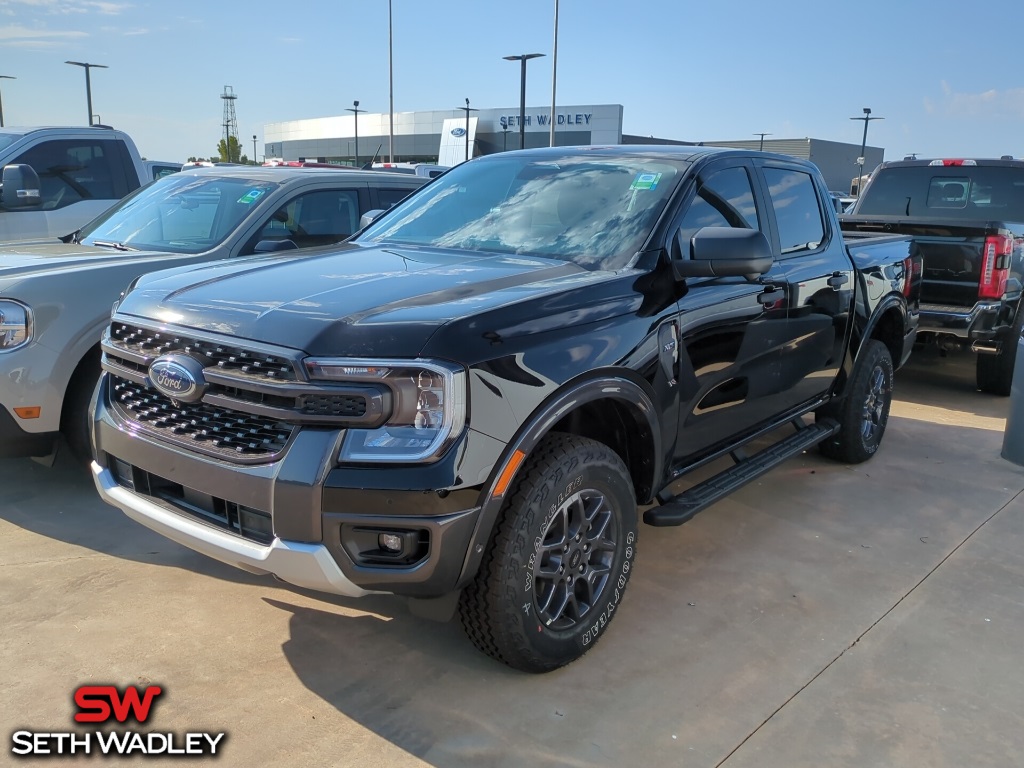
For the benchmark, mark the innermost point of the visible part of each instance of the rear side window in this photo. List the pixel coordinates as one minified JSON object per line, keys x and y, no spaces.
{"x":389,"y":197}
{"x":957,"y":192}
{"x":797,"y":212}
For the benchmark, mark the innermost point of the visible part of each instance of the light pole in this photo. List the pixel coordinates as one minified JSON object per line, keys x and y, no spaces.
{"x":88,"y":85}
{"x":523,"y":58}
{"x":391,"y":93}
{"x":467,"y":110}
{"x":504,"y":137}
{"x":762,"y":135}
{"x":554,"y":72}
{"x":254,"y":161}
{"x":356,"y":110}
{"x":867,"y":118}
{"x":4,"y":77}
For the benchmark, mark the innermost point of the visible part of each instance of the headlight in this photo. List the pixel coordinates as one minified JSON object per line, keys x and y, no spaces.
{"x":428,"y":407}
{"x":15,"y":325}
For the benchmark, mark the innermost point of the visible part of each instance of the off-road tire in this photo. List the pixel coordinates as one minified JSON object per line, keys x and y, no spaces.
{"x":572,"y":506}
{"x":864,"y":411}
{"x":74,"y":419}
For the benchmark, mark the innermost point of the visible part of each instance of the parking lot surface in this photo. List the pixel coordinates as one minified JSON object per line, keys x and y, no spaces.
{"x":826,"y":615}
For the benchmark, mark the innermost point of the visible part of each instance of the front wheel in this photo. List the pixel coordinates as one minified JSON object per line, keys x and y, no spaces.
{"x":864,"y":411}
{"x":559,"y":560}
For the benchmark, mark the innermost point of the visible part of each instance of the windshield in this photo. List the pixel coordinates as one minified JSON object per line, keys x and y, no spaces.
{"x":951,"y":192}
{"x":594,"y":210}
{"x":179,"y":214}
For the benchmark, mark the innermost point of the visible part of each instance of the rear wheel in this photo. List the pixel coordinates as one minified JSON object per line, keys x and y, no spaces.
{"x":864,"y":411}
{"x":561,"y":556}
{"x":994,"y":373}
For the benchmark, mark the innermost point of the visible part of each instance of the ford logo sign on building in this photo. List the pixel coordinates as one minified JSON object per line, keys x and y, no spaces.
{"x":178,"y":376}
{"x":458,"y":131}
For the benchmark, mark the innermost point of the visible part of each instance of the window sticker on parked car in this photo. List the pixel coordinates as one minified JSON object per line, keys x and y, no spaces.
{"x":646,"y":181}
{"x":251,"y":196}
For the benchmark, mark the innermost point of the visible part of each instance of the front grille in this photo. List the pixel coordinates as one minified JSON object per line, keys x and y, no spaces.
{"x":247,"y":522}
{"x":224,"y":357}
{"x":221,"y":431}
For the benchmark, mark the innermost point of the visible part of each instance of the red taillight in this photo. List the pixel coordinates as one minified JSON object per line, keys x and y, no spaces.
{"x":911,"y":270}
{"x":995,"y":266}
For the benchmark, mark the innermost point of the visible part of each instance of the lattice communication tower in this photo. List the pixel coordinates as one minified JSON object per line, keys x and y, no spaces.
{"x":230,"y":122}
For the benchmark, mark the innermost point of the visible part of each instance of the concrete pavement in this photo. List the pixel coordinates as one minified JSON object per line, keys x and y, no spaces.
{"x":825,"y":615}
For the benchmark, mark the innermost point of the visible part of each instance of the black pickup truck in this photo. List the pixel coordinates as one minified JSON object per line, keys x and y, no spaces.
{"x":467,"y":403}
{"x":967,"y":219}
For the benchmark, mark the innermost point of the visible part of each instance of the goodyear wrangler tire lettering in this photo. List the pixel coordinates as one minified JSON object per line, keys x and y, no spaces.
{"x":541,"y":609}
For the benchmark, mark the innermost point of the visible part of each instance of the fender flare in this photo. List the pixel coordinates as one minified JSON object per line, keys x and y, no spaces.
{"x":596,"y":386}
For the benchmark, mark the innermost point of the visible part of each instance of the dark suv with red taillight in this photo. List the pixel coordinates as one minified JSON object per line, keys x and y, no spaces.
{"x":967,"y":218}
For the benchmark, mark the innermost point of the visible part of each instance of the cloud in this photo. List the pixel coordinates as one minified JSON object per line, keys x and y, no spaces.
{"x":992,"y":103}
{"x":61,"y":7}
{"x":19,"y":36}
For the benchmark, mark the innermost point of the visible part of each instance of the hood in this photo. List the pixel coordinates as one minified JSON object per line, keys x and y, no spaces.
{"x":358,"y":301}
{"x":24,"y":260}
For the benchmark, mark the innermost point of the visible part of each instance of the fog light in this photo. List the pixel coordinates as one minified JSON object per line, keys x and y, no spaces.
{"x":390,"y":542}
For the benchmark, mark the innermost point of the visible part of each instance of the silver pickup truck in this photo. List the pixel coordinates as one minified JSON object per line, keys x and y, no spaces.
{"x":56,"y":296}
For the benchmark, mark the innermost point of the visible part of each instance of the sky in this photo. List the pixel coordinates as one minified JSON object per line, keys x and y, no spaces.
{"x":946,"y":76}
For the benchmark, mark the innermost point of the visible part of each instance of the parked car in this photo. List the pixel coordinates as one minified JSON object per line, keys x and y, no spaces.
{"x":55,"y":297}
{"x":419,"y":169}
{"x":72,"y":176}
{"x":466,"y":403}
{"x":967,"y":218}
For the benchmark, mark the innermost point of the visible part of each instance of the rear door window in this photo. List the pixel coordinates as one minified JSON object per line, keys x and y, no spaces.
{"x":797,"y":210}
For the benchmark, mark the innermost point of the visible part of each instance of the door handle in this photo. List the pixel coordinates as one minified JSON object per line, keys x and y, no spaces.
{"x":838,"y":279}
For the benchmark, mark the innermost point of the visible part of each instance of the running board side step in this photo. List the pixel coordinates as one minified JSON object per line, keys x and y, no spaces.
{"x":682,"y":508}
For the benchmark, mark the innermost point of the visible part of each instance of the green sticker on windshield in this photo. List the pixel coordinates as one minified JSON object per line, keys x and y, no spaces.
{"x":646,"y":181}
{"x":255,"y":194}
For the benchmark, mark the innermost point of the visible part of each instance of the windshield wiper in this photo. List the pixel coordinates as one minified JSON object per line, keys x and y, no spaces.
{"x":112,"y":244}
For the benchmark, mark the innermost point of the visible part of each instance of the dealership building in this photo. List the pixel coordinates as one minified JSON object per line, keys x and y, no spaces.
{"x":450,"y":136}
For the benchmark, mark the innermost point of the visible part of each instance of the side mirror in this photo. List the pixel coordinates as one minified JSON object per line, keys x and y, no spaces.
{"x":20,"y":187}
{"x":273,"y":246}
{"x":722,"y":252}
{"x":369,"y":217}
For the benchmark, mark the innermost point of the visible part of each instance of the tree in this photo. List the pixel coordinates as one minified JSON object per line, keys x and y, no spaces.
{"x":230,"y":153}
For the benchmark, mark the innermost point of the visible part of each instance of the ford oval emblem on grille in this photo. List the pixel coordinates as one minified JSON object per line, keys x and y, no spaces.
{"x":179,"y":377}
{"x":458,"y":131}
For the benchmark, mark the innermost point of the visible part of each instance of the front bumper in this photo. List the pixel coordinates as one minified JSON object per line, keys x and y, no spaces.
{"x":312,"y":518}
{"x":15,"y":442}
{"x":301,"y":564}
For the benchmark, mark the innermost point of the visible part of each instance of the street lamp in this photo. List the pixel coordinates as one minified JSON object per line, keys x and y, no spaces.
{"x":356,"y":110}
{"x":88,"y":85}
{"x":391,"y":93}
{"x":762,"y":135}
{"x":4,"y":77}
{"x":554,"y":75}
{"x":504,"y":137}
{"x":523,"y":58}
{"x":467,"y":110}
{"x":867,"y":118}
{"x":254,"y":162}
